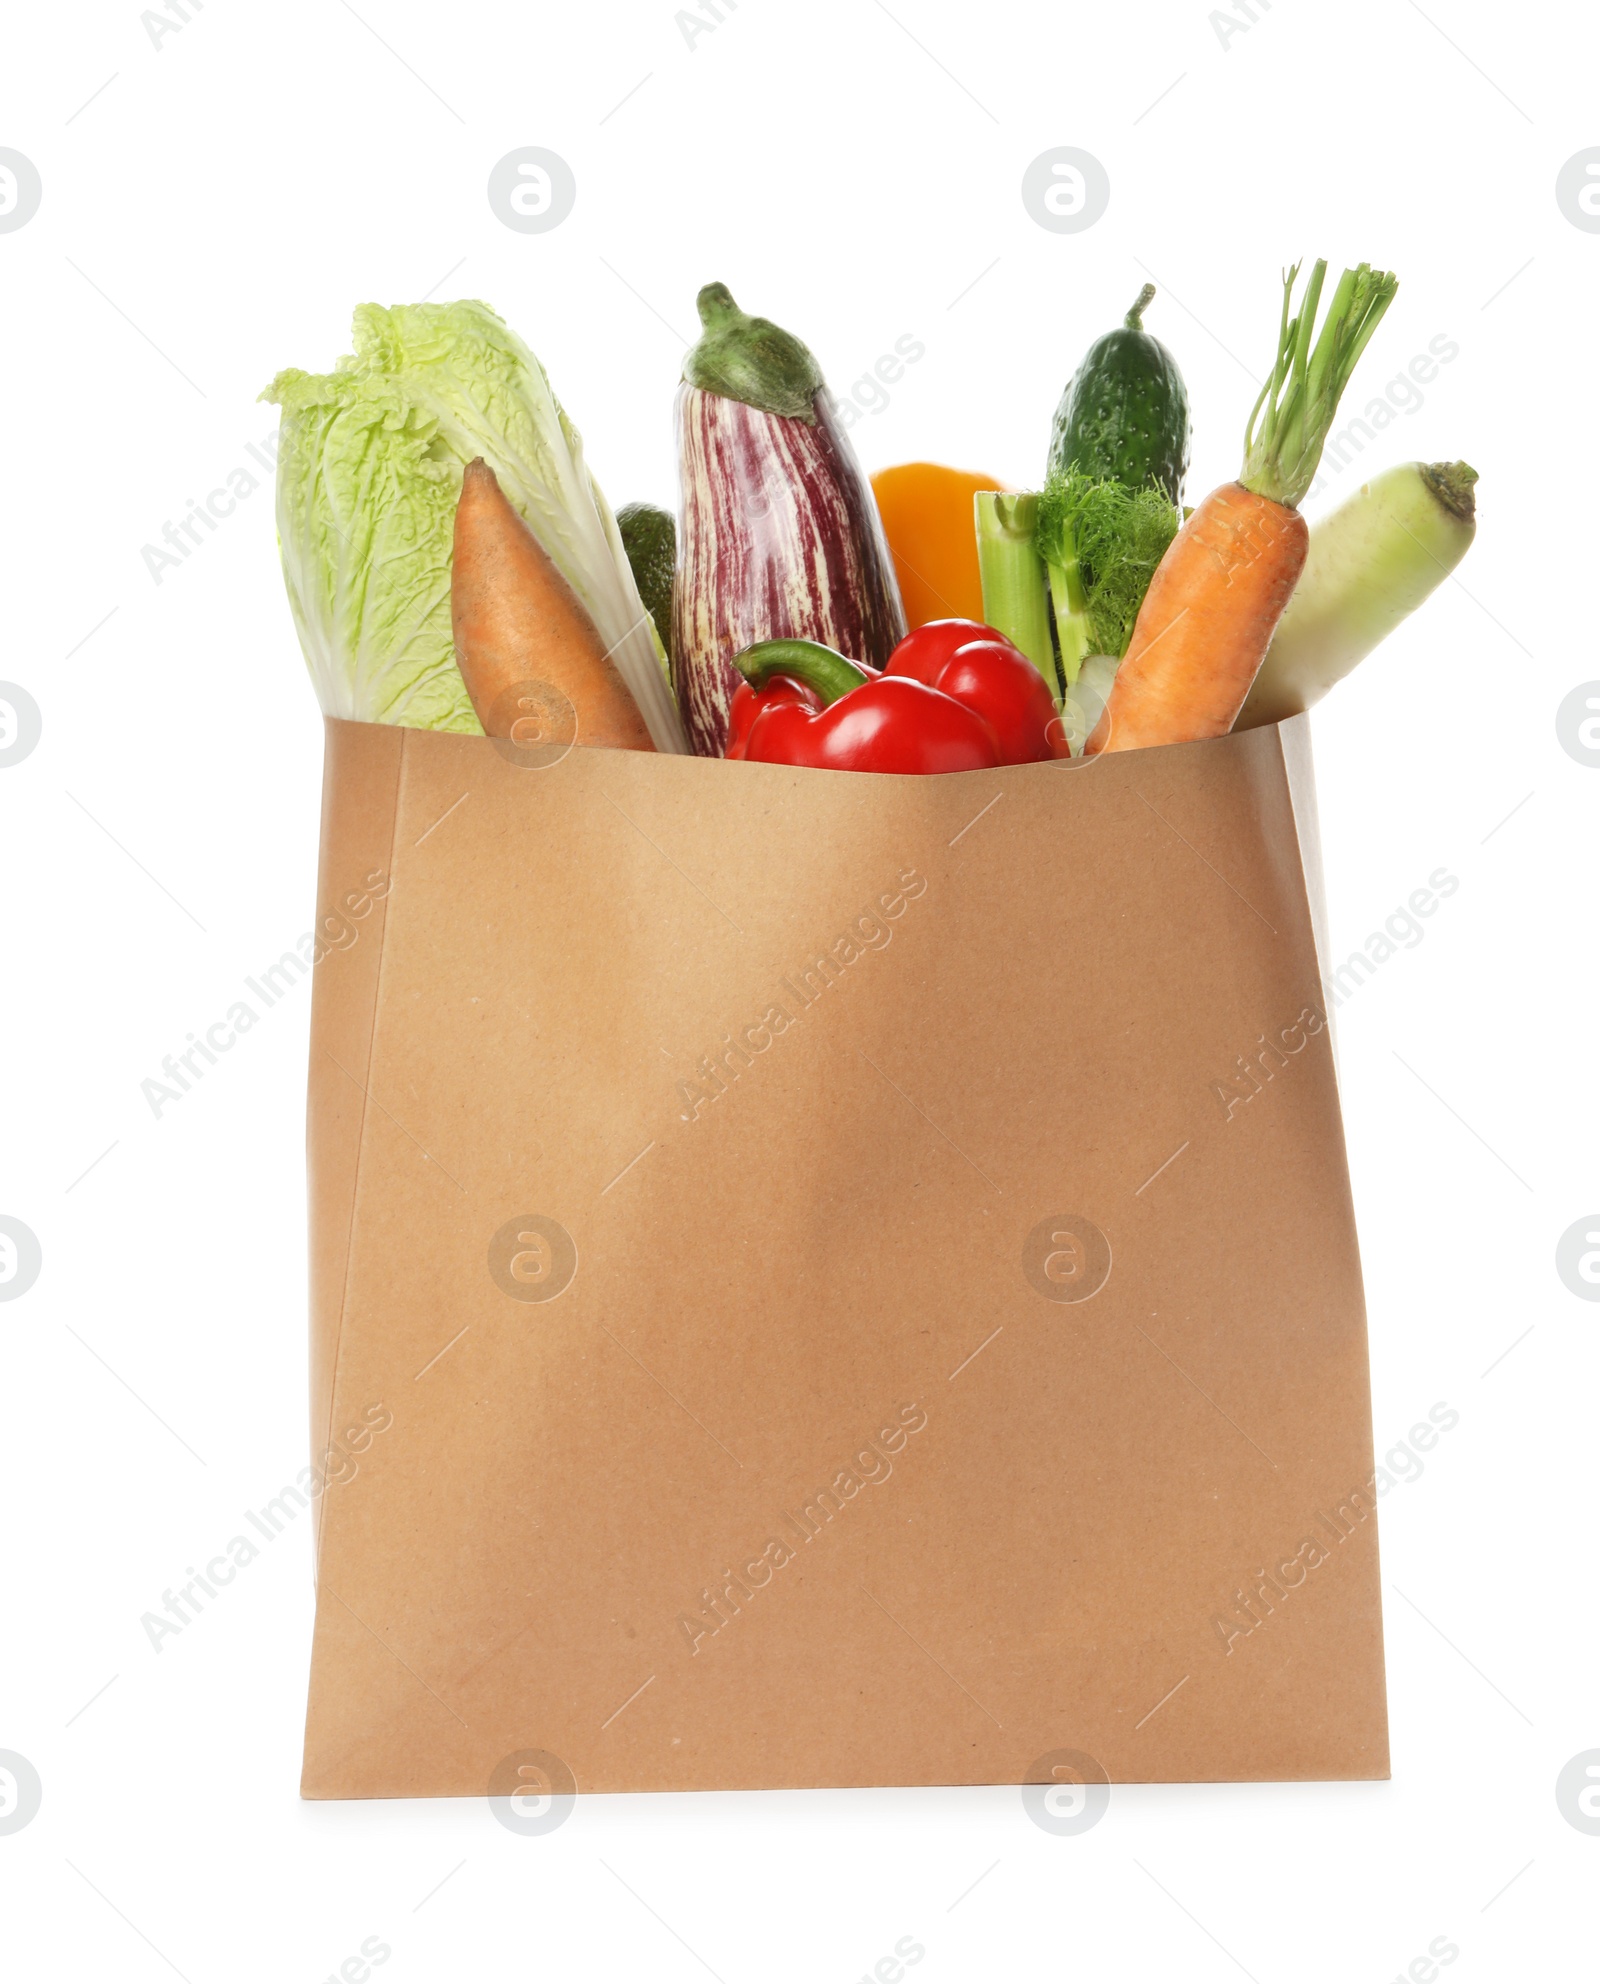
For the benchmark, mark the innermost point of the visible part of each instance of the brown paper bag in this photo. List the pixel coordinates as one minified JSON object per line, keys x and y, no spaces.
{"x":829,"y":1280}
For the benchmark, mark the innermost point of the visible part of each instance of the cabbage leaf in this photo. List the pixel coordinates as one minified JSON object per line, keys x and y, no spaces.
{"x":370,"y":458}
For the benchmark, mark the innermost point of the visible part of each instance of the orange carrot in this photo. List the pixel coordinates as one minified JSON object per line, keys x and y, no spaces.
{"x":1209,"y":615}
{"x":927,"y":518}
{"x":518,"y":624}
{"x":1206,"y":622}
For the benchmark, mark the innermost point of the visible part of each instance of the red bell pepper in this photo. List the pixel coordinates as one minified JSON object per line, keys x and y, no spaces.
{"x":965,"y":659}
{"x":802,"y":704}
{"x":927,"y":648}
{"x":749,"y":703}
{"x":947,"y":702}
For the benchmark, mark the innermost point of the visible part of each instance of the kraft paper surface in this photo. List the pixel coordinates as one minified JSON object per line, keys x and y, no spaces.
{"x":822,"y":1279}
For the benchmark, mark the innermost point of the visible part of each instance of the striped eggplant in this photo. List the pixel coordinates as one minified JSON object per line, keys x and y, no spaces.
{"x":778,"y":532}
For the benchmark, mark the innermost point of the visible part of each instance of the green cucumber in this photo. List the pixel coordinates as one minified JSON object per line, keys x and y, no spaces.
{"x":1125,"y":413}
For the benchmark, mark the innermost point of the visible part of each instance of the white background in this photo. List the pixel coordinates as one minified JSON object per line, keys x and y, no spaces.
{"x":211,"y":216}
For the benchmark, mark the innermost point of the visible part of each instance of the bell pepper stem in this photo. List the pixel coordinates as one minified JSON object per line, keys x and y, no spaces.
{"x":808,"y":662}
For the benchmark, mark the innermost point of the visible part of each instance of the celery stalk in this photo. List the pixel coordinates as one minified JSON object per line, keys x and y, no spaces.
{"x":1013,"y":577}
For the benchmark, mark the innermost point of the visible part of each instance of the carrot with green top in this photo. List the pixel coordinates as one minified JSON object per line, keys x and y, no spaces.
{"x":1217,"y":595}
